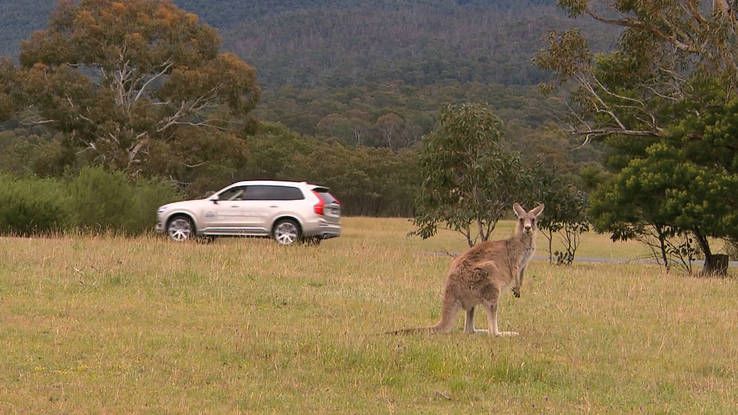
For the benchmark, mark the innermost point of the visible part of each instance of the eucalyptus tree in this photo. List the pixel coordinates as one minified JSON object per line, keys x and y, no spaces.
{"x":469,"y":179}
{"x":122,"y":78}
{"x":662,"y":100}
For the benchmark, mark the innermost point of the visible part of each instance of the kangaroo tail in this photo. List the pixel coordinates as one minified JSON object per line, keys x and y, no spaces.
{"x":416,"y":330}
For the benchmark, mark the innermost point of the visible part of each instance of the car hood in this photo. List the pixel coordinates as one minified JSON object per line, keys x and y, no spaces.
{"x":186,"y":204}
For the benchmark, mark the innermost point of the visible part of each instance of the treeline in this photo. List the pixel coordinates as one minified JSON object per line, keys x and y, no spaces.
{"x":368,"y":181}
{"x":395,"y":114}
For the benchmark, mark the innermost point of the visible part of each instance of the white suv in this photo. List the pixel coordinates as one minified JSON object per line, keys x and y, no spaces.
{"x":287,"y":211}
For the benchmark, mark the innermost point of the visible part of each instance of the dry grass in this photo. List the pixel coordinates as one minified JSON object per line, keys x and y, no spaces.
{"x":148,"y":326}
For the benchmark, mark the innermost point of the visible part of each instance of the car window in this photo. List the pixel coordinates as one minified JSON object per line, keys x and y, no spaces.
{"x":324,"y":194}
{"x":273,"y":193}
{"x":234,"y":193}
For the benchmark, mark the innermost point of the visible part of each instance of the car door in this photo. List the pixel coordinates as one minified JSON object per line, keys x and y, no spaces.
{"x":227,"y":213}
{"x":263,"y":204}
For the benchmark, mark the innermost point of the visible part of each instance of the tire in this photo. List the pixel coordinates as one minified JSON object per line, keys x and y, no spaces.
{"x":286,"y":232}
{"x":180,"y":228}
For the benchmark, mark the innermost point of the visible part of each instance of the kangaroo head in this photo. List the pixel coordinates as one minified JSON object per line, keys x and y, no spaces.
{"x":527,"y":220}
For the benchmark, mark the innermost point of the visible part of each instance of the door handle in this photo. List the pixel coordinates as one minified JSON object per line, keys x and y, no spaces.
{"x":234,"y":206}
{"x":274,"y":206}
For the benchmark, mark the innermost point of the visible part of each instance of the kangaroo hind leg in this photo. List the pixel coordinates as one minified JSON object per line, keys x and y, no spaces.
{"x":490,"y":306}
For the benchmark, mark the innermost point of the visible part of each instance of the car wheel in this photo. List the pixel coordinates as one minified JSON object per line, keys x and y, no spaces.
{"x":286,"y":232}
{"x":180,"y":228}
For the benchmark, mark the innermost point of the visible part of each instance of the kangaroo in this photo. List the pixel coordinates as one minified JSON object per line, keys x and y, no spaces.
{"x":479,"y":275}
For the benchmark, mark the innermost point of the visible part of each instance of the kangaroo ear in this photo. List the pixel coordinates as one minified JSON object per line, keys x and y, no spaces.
{"x":537,"y":210}
{"x":519,"y":211}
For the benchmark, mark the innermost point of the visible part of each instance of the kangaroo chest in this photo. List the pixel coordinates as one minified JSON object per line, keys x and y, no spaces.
{"x":527,"y":255}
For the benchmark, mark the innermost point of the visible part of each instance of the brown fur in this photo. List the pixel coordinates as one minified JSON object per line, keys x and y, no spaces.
{"x":478,"y":276}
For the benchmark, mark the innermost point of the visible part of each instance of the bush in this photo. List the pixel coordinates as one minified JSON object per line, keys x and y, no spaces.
{"x":94,"y":201}
{"x":108,"y":201}
{"x":100,"y":199}
{"x":149,"y":194}
{"x":32,"y":206}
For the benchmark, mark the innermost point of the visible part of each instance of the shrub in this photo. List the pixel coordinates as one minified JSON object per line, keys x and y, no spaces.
{"x":108,"y":201}
{"x":149,"y":194}
{"x":32,"y":206}
{"x":100,"y":199}
{"x":96,"y":200}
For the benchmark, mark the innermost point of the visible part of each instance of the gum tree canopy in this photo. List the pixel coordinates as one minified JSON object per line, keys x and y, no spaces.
{"x":664,"y":100}
{"x":469,"y":179}
{"x":119,"y":78}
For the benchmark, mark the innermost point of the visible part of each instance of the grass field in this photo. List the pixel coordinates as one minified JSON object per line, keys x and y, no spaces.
{"x":113,"y":325}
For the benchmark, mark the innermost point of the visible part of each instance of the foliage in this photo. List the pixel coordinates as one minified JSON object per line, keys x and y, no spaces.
{"x":368,"y":181}
{"x":665,"y":101}
{"x":665,"y":50}
{"x":469,"y":179}
{"x":105,"y":201}
{"x":344,"y":52}
{"x":31,"y":206}
{"x":566,"y":212}
{"x":667,"y":194}
{"x":93,"y":201}
{"x":120,"y":77}
{"x":10,"y":99}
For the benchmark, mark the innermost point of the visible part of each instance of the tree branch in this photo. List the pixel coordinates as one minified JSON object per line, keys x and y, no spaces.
{"x":637,"y":24}
{"x":166,"y":66}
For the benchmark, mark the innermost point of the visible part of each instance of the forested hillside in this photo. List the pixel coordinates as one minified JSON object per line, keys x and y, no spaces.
{"x":339,"y":43}
{"x":353,"y":82}
{"x":371,"y":73}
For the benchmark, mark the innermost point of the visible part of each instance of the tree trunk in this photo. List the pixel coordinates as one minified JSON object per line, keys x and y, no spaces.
{"x":715,"y":265}
{"x":662,"y":246}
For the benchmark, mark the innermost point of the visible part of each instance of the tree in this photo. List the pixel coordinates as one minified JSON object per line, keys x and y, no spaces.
{"x":664,"y":49}
{"x":119,"y":78}
{"x":469,"y":179}
{"x":631,"y":207}
{"x":662,"y":101}
{"x":9,"y":95}
{"x":566,"y":212}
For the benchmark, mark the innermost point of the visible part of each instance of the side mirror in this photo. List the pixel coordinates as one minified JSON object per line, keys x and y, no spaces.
{"x":214,"y":199}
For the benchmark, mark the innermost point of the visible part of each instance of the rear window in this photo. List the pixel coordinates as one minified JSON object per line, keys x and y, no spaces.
{"x":324,"y":194}
{"x":273,"y":193}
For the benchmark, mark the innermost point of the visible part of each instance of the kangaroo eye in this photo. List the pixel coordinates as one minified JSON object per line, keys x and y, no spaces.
{"x":521,"y":220}
{"x":532,"y":221}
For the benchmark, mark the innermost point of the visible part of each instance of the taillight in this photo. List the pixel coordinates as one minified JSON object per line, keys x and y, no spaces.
{"x":319,"y":207}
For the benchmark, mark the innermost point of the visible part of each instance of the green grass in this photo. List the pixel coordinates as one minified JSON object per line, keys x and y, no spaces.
{"x":113,"y":325}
